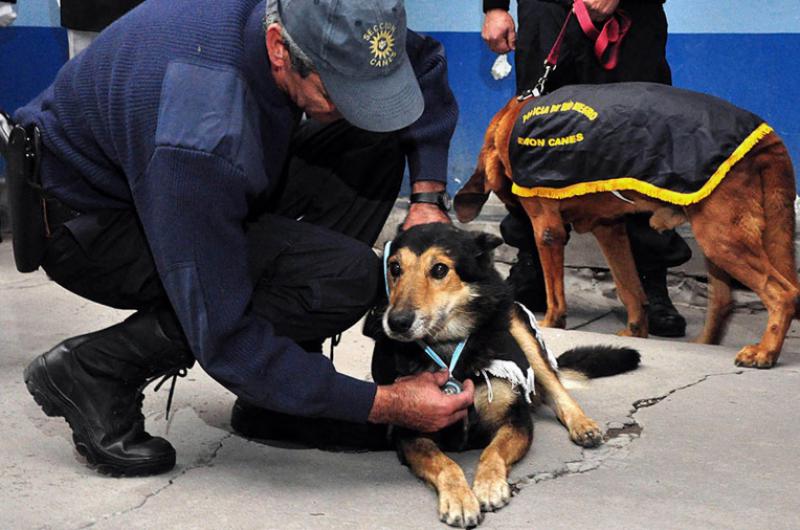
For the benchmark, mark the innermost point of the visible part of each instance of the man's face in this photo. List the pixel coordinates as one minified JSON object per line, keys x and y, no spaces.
{"x":309,"y":94}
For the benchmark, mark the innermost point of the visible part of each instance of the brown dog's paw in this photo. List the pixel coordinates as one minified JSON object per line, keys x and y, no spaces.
{"x":493,"y":492}
{"x":459,"y":507}
{"x":754,"y":356}
{"x":585,"y":432}
{"x":633,"y":330}
{"x":559,"y":322}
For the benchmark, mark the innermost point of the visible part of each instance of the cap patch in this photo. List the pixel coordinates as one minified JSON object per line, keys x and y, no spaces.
{"x":380,"y":38}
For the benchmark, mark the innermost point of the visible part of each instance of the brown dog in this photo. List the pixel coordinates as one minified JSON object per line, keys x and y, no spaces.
{"x":744,"y":222}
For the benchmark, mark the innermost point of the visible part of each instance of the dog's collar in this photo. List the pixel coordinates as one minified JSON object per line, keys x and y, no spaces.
{"x":435,"y":357}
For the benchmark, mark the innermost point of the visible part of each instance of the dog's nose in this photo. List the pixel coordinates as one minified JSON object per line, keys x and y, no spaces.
{"x":400,"y":321}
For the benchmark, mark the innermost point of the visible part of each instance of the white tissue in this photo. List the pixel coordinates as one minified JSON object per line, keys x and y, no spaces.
{"x":8,"y":14}
{"x":501,"y":67}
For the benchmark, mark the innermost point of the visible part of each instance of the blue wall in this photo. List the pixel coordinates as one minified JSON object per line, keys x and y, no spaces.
{"x":740,"y":50}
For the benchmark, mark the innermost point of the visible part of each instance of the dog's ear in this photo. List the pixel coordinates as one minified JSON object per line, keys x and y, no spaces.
{"x":470,"y":199}
{"x":487,"y":242}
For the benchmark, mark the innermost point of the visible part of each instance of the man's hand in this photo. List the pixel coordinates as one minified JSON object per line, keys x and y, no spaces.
{"x":498,"y":31}
{"x":599,"y":10}
{"x":417,"y":402}
{"x":420,"y":212}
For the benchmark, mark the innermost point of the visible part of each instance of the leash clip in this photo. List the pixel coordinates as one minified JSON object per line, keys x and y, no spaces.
{"x":538,"y":90}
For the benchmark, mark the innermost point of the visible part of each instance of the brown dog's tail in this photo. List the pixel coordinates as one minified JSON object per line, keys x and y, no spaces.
{"x":597,"y":361}
{"x":470,"y":199}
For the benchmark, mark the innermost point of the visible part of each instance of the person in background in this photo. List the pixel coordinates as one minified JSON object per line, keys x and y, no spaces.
{"x":642,"y":57}
{"x":85,"y":19}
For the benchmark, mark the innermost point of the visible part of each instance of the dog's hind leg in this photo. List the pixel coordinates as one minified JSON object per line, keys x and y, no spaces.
{"x":732,"y":238}
{"x":548,"y":227}
{"x":719,"y":305}
{"x":582,"y":429}
{"x":458,"y":505}
{"x":616,"y":247}
{"x":509,"y":444}
{"x":778,"y":183}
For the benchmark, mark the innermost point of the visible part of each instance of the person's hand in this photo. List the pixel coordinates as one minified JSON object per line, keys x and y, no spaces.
{"x":417,"y":402}
{"x":423,"y":212}
{"x":599,"y":10}
{"x":498,"y":31}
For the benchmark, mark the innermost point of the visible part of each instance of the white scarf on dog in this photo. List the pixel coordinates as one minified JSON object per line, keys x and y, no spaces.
{"x":510,"y":371}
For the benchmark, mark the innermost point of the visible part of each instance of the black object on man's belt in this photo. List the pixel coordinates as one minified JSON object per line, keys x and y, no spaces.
{"x":30,"y":225}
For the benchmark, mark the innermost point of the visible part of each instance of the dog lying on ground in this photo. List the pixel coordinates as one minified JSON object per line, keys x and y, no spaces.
{"x":444,"y":290}
{"x":735,"y":186}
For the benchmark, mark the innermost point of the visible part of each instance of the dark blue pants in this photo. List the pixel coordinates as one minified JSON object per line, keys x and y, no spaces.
{"x":309,"y":243}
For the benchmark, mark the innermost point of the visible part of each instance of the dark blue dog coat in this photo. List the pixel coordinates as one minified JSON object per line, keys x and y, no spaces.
{"x":671,"y":144}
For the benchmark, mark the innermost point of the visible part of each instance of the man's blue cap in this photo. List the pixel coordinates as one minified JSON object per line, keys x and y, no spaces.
{"x":359,"y":50}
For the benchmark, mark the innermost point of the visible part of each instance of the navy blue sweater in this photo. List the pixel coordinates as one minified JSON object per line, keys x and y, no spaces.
{"x":173,"y":111}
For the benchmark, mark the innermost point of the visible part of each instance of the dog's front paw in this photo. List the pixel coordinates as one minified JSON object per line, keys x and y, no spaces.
{"x":585,"y":432}
{"x":754,"y":356}
{"x":459,"y":507}
{"x":493,"y":492}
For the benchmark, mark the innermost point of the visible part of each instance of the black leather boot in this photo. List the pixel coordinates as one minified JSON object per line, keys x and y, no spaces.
{"x":663,"y":320}
{"x":527,"y":281}
{"x":322,"y":433}
{"x":95,"y":382}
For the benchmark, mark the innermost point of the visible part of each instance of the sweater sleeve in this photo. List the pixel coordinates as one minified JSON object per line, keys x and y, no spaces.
{"x":192,"y":205}
{"x":495,"y":4}
{"x":427,"y":141}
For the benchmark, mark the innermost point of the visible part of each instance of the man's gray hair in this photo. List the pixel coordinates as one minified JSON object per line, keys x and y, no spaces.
{"x":301,"y":63}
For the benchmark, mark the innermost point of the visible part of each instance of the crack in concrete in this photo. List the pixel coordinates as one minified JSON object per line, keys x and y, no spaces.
{"x":201,"y":462}
{"x":616,"y":440}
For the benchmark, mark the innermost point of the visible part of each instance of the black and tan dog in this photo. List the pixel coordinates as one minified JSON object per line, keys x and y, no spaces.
{"x":680,"y":155}
{"x":444,"y":290}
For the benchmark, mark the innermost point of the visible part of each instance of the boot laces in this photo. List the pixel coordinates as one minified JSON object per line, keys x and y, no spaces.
{"x":174,"y":374}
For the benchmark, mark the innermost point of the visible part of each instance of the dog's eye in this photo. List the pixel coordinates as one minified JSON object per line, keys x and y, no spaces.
{"x":439,"y":271}
{"x":394,"y":269}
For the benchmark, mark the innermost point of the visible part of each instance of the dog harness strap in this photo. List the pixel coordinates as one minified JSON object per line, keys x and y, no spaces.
{"x":537,"y":332}
{"x":387,"y":248}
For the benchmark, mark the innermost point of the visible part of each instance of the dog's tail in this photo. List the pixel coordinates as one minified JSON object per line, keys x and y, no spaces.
{"x":589,"y":362}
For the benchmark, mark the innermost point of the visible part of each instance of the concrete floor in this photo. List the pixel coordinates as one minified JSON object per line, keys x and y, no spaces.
{"x":700,"y":443}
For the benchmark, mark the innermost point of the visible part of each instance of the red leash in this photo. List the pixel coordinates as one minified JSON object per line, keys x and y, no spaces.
{"x":550,"y":64}
{"x":608,"y":39}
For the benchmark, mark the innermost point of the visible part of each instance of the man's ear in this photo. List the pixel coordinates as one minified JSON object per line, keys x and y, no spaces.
{"x":276,"y":48}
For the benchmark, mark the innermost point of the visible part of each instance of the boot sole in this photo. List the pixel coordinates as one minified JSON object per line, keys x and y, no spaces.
{"x":55,"y":404}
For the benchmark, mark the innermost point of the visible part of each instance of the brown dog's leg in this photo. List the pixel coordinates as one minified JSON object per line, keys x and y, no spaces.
{"x":733,"y":239}
{"x":458,"y":505}
{"x":779,"y":188}
{"x":548,"y":227}
{"x":509,"y":444}
{"x":582,"y":429}
{"x":719,"y":305}
{"x":616,"y":248}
